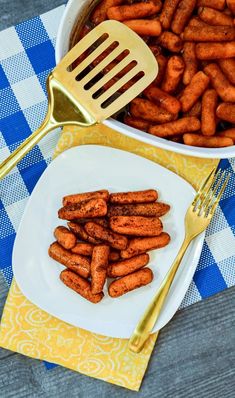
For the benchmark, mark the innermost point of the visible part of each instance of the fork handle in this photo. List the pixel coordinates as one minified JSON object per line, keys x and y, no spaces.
{"x":148,"y":320}
{"x":25,"y":147}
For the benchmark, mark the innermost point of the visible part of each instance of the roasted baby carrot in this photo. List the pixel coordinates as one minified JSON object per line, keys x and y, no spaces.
{"x":208,"y":119}
{"x":136,"y":225}
{"x":75,"y":262}
{"x":171,"y":42}
{"x":162,"y":62}
{"x":115,"y":240}
{"x":182,"y":15}
{"x":65,"y":237}
{"x":209,"y":33}
{"x":80,"y":286}
{"x":130,"y":282}
{"x":230,"y":133}
{"x":165,"y":100}
{"x":190,"y":61}
{"x":142,"y":245}
{"x":136,"y":123}
{"x":144,"y":27}
{"x":195,"y":110}
{"x":173,"y":75}
{"x":231,"y":6}
{"x":180,"y":126}
{"x":100,"y":12}
{"x":207,"y":142}
{"x":114,"y":255}
{"x":83,"y":248}
{"x":214,"y":17}
{"x":99,"y":264}
{"x":225,"y":90}
{"x":167,"y":13}
{"x":226,"y":111}
{"x":80,"y":232}
{"x":157,"y":209}
{"x":216,"y":4}
{"x":215,"y":50}
{"x":228,"y":67}
{"x":137,"y":10}
{"x":125,"y":267}
{"x":98,"y":220}
{"x":91,"y":208}
{"x":147,"y":196}
{"x":147,"y":110}
{"x":81,"y":197}
{"x":193,"y":90}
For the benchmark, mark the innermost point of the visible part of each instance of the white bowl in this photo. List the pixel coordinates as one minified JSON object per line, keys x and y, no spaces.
{"x":76,"y":12}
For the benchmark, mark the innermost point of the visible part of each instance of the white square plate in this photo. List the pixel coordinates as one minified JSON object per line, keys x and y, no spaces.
{"x":88,"y":168}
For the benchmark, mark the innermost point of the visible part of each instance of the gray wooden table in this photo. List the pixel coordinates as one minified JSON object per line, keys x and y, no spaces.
{"x":195,"y":353}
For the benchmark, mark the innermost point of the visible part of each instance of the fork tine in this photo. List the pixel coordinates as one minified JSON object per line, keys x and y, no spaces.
{"x":206,"y":195}
{"x":212,"y":195}
{"x":215,"y":204}
{"x":204,"y":186}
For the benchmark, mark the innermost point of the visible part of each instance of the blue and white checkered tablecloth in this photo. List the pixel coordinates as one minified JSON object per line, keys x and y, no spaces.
{"x":26,"y":58}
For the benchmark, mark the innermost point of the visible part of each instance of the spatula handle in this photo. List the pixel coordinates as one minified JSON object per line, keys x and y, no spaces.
{"x":25,"y":147}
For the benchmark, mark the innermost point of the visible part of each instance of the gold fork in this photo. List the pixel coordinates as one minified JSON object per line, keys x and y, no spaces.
{"x":197,"y":218}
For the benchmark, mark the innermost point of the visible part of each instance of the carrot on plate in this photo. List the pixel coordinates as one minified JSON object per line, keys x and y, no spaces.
{"x":80,"y":286}
{"x":122,"y":198}
{"x":141,"y":245}
{"x":81,"y":197}
{"x":65,"y":237}
{"x":99,"y":265}
{"x":130,"y":282}
{"x":125,"y":267}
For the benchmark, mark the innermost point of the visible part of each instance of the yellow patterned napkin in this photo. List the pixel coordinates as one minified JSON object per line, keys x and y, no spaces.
{"x":30,"y":331}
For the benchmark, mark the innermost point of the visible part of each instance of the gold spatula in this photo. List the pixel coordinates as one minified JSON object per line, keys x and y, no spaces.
{"x":83,"y":91}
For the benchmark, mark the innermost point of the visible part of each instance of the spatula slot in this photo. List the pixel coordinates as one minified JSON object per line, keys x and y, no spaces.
{"x":80,"y":57}
{"x":108,"y":68}
{"x":113,"y":79}
{"x":114,"y":96}
{"x":105,"y":53}
{"x":96,"y":62}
